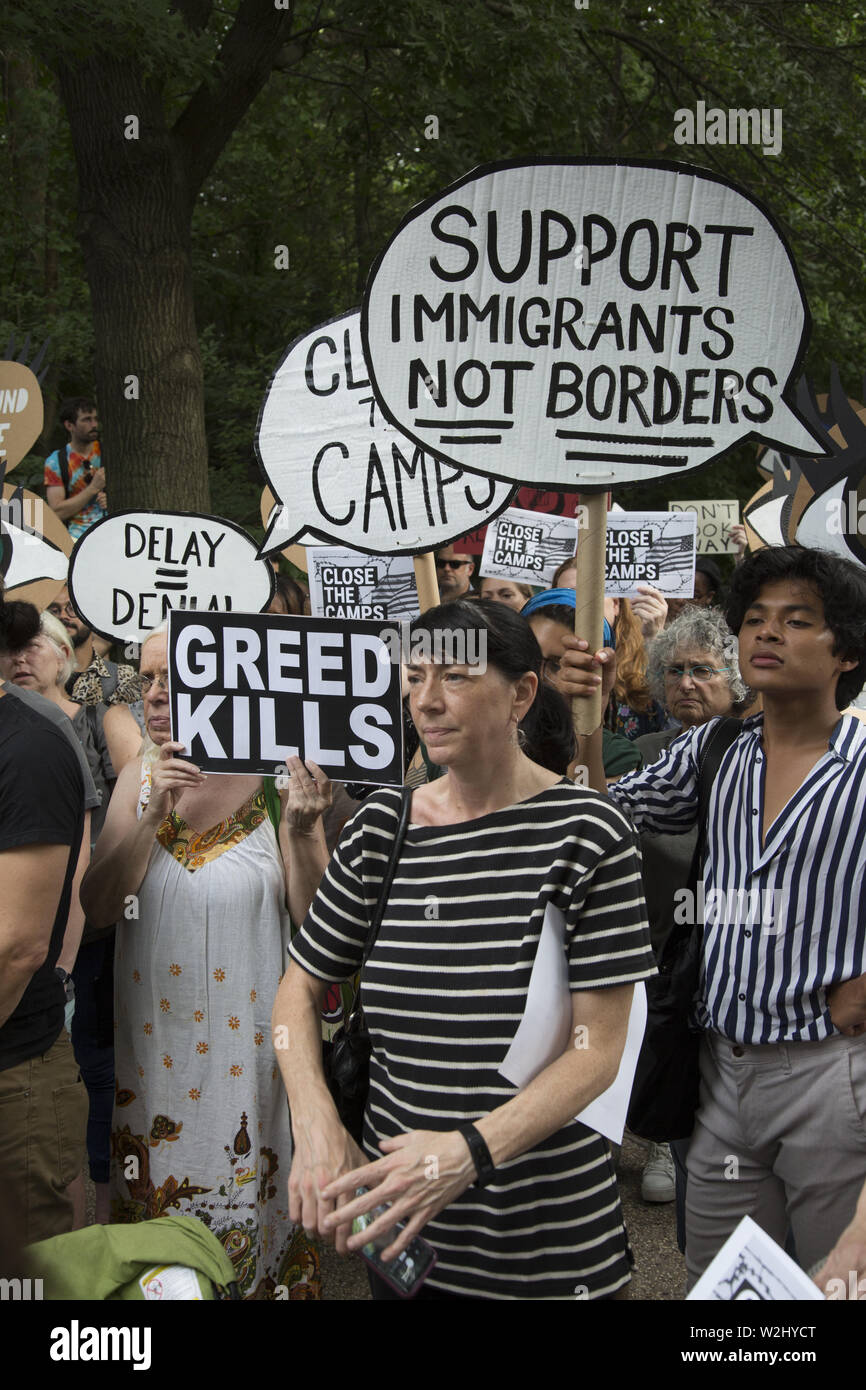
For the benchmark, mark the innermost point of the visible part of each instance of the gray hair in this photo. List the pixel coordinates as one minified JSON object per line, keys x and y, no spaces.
{"x":55,"y":633}
{"x":701,"y":630}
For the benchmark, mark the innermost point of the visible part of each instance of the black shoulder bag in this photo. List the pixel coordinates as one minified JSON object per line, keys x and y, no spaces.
{"x":664,"y":1096}
{"x":347,"y":1061}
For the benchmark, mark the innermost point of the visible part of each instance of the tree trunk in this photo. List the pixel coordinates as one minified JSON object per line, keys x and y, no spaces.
{"x":134,"y":226}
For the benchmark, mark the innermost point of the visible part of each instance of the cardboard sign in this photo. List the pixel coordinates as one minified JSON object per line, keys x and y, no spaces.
{"x":817,"y":502}
{"x":268,"y":509}
{"x":527,"y":547}
{"x":130,"y":569}
{"x":350,"y":584}
{"x":249,"y":690}
{"x":715,"y":520}
{"x":21,"y":412}
{"x":587,"y":322}
{"x":342,"y":472}
{"x":655,"y":548}
{"x":34,"y":548}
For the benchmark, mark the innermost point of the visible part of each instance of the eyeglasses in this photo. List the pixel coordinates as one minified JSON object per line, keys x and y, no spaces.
{"x":452,"y":564}
{"x":697,"y":673}
{"x":57,"y":610}
{"x":148,"y":681}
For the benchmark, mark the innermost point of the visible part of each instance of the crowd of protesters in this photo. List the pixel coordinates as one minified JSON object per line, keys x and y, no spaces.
{"x":160,"y":929}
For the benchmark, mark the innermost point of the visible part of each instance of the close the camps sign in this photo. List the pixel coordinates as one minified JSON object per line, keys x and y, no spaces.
{"x":586,"y":323}
{"x":247,"y":691}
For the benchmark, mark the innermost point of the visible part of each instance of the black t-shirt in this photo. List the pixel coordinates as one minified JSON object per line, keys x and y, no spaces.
{"x":41,"y":802}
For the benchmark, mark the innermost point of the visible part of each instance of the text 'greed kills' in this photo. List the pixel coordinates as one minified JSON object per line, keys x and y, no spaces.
{"x":321,"y":670}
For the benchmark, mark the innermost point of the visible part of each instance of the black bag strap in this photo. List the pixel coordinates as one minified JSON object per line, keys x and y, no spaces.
{"x":726,"y":732}
{"x":388,"y":879}
{"x":390,"y":868}
{"x":63,"y":459}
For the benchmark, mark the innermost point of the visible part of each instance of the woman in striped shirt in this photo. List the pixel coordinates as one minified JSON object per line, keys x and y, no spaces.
{"x":496,"y":851}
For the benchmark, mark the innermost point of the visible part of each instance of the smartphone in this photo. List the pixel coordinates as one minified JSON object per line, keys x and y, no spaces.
{"x":407,"y":1272}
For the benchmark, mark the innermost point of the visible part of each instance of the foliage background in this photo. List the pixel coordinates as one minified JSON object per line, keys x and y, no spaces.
{"x":334,"y":151}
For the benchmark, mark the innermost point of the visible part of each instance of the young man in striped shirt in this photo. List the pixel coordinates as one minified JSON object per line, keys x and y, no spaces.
{"x":780,"y":1133}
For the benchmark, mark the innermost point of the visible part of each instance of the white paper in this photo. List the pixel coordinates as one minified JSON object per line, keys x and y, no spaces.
{"x":527,"y":547}
{"x":607,"y":1113}
{"x":655,"y":548}
{"x":751,"y":1267}
{"x":545,"y":1030}
{"x":171,"y":1283}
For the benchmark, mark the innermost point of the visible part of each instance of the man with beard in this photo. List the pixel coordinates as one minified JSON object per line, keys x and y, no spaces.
{"x":74,"y":478}
{"x":96,"y":680}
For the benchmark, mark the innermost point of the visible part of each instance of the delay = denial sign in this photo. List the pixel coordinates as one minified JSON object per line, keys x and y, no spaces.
{"x":247,"y":691}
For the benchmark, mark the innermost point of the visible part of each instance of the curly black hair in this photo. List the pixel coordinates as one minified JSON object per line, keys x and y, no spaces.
{"x":841,"y":586}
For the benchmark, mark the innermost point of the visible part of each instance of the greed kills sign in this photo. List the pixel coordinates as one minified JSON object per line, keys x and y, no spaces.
{"x":248,"y":691}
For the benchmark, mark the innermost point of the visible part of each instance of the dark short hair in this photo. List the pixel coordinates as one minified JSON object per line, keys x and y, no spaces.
{"x":841,"y":586}
{"x":512,"y":650}
{"x":290,"y":592}
{"x":71,"y":408}
{"x":19,"y":624}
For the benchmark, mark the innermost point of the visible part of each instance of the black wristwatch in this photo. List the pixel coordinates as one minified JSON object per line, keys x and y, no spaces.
{"x":484,"y":1168}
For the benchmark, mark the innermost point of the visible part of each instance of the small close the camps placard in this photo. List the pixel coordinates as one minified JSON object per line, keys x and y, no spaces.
{"x":655,"y":548}
{"x":527,"y":547}
{"x":349,"y":584}
{"x":247,"y":691}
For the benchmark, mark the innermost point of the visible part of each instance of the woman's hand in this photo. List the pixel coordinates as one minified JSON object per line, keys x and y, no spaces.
{"x":651,"y":610}
{"x":581,"y":671}
{"x":421,"y":1173}
{"x":306,"y":797}
{"x":170,"y":778}
{"x":323,"y":1152}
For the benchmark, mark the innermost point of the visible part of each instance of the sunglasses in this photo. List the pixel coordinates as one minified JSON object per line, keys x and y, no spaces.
{"x":452,"y":564}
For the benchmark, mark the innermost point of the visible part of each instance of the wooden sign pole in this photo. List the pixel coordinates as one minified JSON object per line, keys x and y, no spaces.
{"x":589,"y":604}
{"x":426,"y":580}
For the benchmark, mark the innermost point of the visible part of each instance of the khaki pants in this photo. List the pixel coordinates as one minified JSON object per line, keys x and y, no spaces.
{"x":43,"y":1124}
{"x":780,"y":1136}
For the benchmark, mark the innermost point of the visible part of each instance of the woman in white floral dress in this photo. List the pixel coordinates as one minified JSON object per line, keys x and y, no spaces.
{"x":192,"y":870}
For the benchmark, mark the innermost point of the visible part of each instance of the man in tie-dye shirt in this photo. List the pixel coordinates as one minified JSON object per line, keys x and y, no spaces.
{"x":79,"y":500}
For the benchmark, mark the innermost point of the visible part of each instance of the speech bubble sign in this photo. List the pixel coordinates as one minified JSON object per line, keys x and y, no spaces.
{"x":34,"y":548}
{"x":21,"y":412}
{"x":344,"y":474}
{"x":586,"y":323}
{"x":130,"y":569}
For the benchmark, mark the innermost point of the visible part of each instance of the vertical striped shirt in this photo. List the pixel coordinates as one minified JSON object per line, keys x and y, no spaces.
{"x":444,"y":992}
{"x":785,"y":918}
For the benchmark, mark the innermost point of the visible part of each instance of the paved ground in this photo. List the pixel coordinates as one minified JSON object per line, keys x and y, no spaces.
{"x":659,"y":1268}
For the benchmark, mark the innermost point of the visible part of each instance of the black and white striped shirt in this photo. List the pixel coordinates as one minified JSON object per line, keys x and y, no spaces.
{"x":788,"y":917}
{"x":444,"y":992}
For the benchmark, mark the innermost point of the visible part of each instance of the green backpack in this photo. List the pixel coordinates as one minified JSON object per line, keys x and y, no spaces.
{"x":169,"y":1258}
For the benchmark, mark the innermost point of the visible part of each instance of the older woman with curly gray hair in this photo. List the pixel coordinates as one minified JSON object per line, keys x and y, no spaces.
{"x":693,"y":671}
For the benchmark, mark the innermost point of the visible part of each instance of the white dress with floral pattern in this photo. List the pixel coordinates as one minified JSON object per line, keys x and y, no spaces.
{"x":201,"y":1122}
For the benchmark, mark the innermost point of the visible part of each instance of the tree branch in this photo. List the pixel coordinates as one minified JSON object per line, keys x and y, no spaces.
{"x":242,"y":67}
